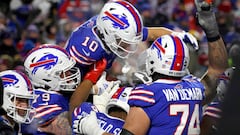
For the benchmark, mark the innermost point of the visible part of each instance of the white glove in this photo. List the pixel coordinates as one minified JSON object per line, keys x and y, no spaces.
{"x":102,"y":84}
{"x":87,"y":125}
{"x":187,"y":38}
{"x":100,"y":101}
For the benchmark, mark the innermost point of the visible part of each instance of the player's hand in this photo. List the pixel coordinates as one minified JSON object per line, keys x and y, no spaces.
{"x":206,"y":18}
{"x":96,"y":71}
{"x":188,"y":38}
{"x":102,"y":84}
{"x":87,"y":125}
{"x":100,"y":101}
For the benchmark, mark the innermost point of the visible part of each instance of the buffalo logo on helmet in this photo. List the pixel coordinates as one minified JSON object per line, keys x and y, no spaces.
{"x":118,"y":21}
{"x":46,"y":62}
{"x":9,"y":80}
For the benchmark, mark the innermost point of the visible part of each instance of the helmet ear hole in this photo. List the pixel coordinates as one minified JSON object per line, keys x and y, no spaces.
{"x":165,"y":46}
{"x":152,"y":70}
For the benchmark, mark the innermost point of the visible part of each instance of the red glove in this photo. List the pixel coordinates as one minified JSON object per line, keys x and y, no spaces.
{"x":96,"y":71}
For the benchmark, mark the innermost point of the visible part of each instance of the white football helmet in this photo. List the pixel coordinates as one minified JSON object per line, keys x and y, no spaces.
{"x":121,"y":26}
{"x":50,"y":67}
{"x":120,"y":99}
{"x":17,"y":86}
{"x":223,"y":82}
{"x":168,"y":55}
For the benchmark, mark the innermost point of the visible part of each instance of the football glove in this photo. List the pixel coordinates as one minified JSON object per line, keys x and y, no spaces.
{"x":100,"y":101}
{"x":206,"y":19}
{"x":87,"y":125}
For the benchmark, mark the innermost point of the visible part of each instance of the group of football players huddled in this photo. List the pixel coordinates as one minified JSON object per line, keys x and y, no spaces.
{"x":66,"y":91}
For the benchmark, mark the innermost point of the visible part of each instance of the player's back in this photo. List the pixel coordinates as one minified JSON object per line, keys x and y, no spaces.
{"x":108,"y":123}
{"x":174,"y":107}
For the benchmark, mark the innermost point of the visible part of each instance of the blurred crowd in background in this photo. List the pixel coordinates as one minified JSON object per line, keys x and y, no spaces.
{"x":25,"y":24}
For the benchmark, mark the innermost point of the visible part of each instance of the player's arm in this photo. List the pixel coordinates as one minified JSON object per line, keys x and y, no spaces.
{"x":83,"y":90}
{"x":155,"y":32}
{"x":137,"y":121}
{"x":217,"y":53}
{"x":59,"y":125}
{"x":217,"y":65}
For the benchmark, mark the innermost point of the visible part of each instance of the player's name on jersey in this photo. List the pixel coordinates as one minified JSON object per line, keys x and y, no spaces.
{"x":183,"y":94}
{"x":110,"y":128}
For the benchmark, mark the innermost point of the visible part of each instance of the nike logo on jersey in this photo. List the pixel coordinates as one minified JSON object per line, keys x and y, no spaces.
{"x":86,"y":53}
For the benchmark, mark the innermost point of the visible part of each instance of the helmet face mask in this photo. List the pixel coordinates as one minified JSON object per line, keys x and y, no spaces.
{"x":168,"y":55}
{"x":18,"y":96}
{"x":123,"y":48}
{"x":121,"y":26}
{"x":69,"y":79}
{"x":51,"y":68}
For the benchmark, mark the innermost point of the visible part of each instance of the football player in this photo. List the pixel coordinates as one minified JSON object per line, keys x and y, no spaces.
{"x":172,"y":103}
{"x":117,"y":109}
{"x":115,"y":32}
{"x":52,"y":72}
{"x":213,"y":111}
{"x":18,"y":97}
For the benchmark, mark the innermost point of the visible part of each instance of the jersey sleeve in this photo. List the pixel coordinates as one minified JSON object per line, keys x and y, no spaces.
{"x":49,"y":105}
{"x":141,"y":97}
{"x":213,"y":109}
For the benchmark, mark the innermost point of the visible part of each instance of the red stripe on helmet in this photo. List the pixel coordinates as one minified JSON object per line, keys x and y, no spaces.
{"x":159,"y":46}
{"x":179,"y":54}
{"x":41,"y":63}
{"x":115,"y":18}
{"x":118,"y":93}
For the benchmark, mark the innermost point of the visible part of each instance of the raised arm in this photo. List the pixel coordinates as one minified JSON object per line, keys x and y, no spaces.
{"x":155,"y":32}
{"x":217,"y":53}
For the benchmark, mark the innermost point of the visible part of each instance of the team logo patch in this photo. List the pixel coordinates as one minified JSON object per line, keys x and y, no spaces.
{"x":118,"y":21}
{"x":178,"y":86}
{"x":9,"y":80}
{"x":46,"y":62}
